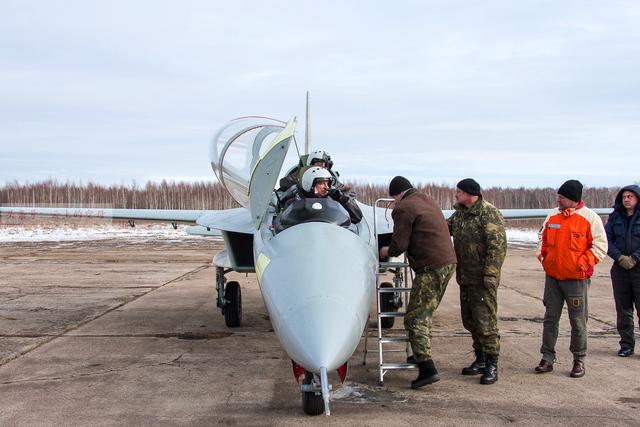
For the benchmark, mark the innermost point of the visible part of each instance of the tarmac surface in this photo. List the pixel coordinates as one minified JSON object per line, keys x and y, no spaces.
{"x":120,"y":333}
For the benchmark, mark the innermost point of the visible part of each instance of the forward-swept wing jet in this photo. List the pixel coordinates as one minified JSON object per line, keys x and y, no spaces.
{"x":316,"y":270}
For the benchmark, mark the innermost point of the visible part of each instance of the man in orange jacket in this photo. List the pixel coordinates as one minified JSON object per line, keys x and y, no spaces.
{"x":571,"y":242}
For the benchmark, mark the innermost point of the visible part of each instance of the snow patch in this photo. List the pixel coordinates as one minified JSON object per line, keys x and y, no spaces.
{"x":69,"y":233}
{"x":522,"y":237}
{"x":148,"y":232}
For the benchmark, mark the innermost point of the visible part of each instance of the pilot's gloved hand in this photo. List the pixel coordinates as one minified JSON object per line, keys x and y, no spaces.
{"x":335,"y":194}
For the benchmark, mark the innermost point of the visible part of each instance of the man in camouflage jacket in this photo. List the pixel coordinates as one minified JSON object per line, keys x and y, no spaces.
{"x":480,"y":243}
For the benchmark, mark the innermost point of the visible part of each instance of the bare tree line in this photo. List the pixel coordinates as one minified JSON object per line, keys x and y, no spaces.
{"x":163,"y":195}
{"x":501,"y":197}
{"x":211,"y":195}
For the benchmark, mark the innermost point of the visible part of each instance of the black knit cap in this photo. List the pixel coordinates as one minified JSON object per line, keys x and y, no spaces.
{"x":398,"y":185}
{"x":572,"y":190}
{"x":469,"y":186}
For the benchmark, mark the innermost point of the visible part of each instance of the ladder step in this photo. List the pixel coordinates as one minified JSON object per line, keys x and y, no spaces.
{"x":391,"y":314}
{"x":389,"y":290}
{"x":394,"y":339}
{"x":398,"y":366}
{"x":392,"y":350}
{"x":393,"y":264}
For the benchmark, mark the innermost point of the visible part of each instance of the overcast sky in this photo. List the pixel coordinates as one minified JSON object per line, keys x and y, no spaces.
{"x":512,"y":93}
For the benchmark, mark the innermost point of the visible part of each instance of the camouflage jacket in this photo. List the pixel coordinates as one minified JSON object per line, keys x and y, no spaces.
{"x":480,"y":241}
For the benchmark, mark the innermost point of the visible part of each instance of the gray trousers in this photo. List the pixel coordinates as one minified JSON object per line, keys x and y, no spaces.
{"x":626,"y":292}
{"x":556,"y":293}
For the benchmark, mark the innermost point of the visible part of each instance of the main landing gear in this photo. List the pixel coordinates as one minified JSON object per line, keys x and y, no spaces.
{"x":229,"y":298}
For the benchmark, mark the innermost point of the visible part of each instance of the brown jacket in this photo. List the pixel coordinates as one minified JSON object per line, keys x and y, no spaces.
{"x":419,"y":229}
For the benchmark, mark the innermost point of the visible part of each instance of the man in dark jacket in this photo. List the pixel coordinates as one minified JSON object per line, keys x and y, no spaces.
{"x":480,"y":242}
{"x":623,"y":235}
{"x":419,"y":229}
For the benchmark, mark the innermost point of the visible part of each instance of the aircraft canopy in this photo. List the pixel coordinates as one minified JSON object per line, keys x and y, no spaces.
{"x":236,"y":149}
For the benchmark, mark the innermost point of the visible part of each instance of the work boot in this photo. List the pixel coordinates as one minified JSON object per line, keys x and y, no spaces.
{"x":544,"y":367}
{"x":625,"y":352}
{"x":578,"y":369}
{"x":428,"y":374}
{"x":490,"y":374}
{"x":477,"y":367}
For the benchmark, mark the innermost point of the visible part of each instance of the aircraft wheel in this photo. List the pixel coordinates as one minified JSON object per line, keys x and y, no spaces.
{"x":387,"y":304}
{"x":233,"y":308}
{"x":312,"y":404}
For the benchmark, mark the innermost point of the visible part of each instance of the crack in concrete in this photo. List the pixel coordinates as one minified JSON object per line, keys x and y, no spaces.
{"x":180,"y":335}
{"x":79,"y":325}
{"x":97,"y":373}
{"x":533,"y":415}
{"x":595,"y":319}
{"x":96,"y":287}
{"x":10,"y":299}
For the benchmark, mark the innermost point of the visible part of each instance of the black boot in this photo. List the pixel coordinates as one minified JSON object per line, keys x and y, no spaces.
{"x":490,"y":374}
{"x":428,"y":374}
{"x":477,"y":367}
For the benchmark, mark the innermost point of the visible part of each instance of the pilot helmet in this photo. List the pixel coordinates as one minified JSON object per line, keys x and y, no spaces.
{"x":313,"y":175}
{"x":319,"y":156}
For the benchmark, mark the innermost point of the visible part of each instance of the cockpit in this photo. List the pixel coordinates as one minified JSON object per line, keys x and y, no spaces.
{"x":312,"y":210}
{"x":247,"y":155}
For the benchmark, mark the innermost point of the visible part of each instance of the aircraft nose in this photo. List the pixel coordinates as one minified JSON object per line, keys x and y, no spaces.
{"x":317,"y":287}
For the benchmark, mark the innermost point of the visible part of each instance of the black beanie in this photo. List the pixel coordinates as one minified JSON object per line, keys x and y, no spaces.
{"x":398,"y":185}
{"x":469,"y":186}
{"x":572,"y":190}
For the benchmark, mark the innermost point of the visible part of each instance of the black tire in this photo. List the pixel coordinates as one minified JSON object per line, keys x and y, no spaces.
{"x":312,"y":404}
{"x":387,"y":304}
{"x":233,"y":308}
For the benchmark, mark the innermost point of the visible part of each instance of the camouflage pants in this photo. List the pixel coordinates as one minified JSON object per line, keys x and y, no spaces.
{"x":426,"y":293}
{"x":479,"y":311}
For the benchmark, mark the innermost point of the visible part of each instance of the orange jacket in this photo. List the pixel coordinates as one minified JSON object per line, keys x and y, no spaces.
{"x":571,"y":242}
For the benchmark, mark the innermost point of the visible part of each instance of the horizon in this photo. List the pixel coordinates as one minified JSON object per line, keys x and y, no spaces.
{"x":140,"y":185}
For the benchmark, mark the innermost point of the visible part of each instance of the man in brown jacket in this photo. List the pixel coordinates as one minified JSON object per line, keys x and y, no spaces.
{"x":420,"y":230}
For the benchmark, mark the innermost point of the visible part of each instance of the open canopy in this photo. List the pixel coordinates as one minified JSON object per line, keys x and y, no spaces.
{"x":237,"y":148}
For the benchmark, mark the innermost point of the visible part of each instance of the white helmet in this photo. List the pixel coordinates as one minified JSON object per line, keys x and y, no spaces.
{"x":319,"y":156}
{"x":313,"y":175}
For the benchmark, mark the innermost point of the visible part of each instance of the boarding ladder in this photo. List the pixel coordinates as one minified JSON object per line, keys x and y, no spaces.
{"x":400,"y":288}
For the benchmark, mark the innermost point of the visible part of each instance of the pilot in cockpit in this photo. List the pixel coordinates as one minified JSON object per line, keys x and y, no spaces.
{"x":318,"y":158}
{"x":317,"y":182}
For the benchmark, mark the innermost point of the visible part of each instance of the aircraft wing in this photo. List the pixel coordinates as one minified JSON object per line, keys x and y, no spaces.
{"x":167,"y":215}
{"x":538,"y":213}
{"x":385,"y":223}
{"x":235,"y":220}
